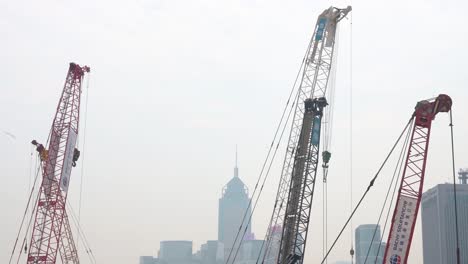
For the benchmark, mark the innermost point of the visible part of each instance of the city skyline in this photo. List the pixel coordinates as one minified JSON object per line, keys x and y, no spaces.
{"x":233,"y":209}
{"x":175,"y":85}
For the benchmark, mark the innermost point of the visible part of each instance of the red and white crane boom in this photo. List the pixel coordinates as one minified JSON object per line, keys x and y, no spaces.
{"x":51,"y":232}
{"x":411,"y":185}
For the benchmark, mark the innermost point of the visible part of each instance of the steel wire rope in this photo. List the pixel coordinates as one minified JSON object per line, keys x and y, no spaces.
{"x":30,"y":168}
{"x":31,"y":173}
{"x":28,"y":226}
{"x":31,"y":217}
{"x":351,"y":251}
{"x":263,"y":168}
{"x":277,"y":195}
{"x":81,"y":234}
{"x":394,"y":184}
{"x":327,"y":136}
{"x":83,"y":152}
{"x":270,"y":225}
{"x":266,"y":238}
{"x":395,"y":188}
{"x":371,"y":183}
{"x":454,"y":188}
{"x":270,"y":149}
{"x":323,"y":220}
{"x":266,"y":177}
{"x":24,"y":216}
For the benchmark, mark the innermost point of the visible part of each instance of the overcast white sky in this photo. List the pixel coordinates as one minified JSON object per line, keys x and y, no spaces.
{"x":175,"y":85}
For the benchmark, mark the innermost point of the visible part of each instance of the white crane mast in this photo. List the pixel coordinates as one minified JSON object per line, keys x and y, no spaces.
{"x":296,"y":187}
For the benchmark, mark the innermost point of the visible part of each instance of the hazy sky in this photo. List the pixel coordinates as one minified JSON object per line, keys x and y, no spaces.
{"x":175,"y":85}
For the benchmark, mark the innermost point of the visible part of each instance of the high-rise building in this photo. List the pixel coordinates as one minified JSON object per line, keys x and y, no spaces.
{"x":364,"y":242}
{"x":175,"y":252}
{"x":251,"y":252}
{"x":212,"y":252}
{"x":438,"y":224}
{"x":232,"y":207}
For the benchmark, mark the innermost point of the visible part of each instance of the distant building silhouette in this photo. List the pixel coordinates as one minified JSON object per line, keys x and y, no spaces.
{"x":147,"y":260}
{"x":175,"y":252}
{"x":275,"y":233}
{"x":212,"y":252}
{"x":438,"y":224}
{"x":250,"y":251}
{"x":363,"y":240}
{"x":232,"y":207}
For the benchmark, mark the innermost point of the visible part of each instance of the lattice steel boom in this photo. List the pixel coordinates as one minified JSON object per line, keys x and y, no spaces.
{"x":411,"y":185}
{"x":51,"y":232}
{"x":296,"y":187}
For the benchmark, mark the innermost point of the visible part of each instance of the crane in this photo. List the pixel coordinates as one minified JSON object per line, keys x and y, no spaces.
{"x":411,"y":185}
{"x":296,"y":187}
{"x":51,"y":232}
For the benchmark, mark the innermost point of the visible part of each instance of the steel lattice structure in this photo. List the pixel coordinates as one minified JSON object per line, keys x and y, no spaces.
{"x":296,"y":187}
{"x":51,"y":231}
{"x":411,"y":185}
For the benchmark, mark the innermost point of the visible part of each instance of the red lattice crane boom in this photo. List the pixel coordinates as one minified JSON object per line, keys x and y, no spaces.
{"x":51,"y":231}
{"x":411,"y":185}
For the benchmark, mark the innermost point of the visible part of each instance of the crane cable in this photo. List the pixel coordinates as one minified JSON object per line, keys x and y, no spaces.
{"x":268,"y":238}
{"x":394,"y":184}
{"x":326,"y":139}
{"x":454,"y":188}
{"x":24,"y":217}
{"x":81,"y":234}
{"x":351,"y":251}
{"x":371,"y":183}
{"x":390,"y":208}
{"x":279,"y":126}
{"x":38,"y":169}
{"x":83,"y":152}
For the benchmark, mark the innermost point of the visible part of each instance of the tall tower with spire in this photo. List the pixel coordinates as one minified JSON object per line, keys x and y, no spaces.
{"x":232,"y":205}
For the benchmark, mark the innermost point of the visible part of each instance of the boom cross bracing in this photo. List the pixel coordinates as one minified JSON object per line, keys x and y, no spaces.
{"x":411,"y":185}
{"x":51,"y":231}
{"x":297,"y":183}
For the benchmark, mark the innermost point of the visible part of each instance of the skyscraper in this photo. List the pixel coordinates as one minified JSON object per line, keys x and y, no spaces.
{"x":438,"y":224}
{"x":364,"y":241}
{"x":232,"y":207}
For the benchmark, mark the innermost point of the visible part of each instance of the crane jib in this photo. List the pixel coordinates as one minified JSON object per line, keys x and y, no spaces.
{"x":411,"y":184}
{"x":51,"y":233}
{"x":297,"y":182}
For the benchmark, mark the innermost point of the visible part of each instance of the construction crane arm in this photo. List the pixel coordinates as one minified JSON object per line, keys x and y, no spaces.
{"x":51,"y":231}
{"x":297,"y":182}
{"x":411,"y":185}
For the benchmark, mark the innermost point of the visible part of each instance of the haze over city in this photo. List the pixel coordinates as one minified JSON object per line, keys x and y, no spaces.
{"x":175,"y":86}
